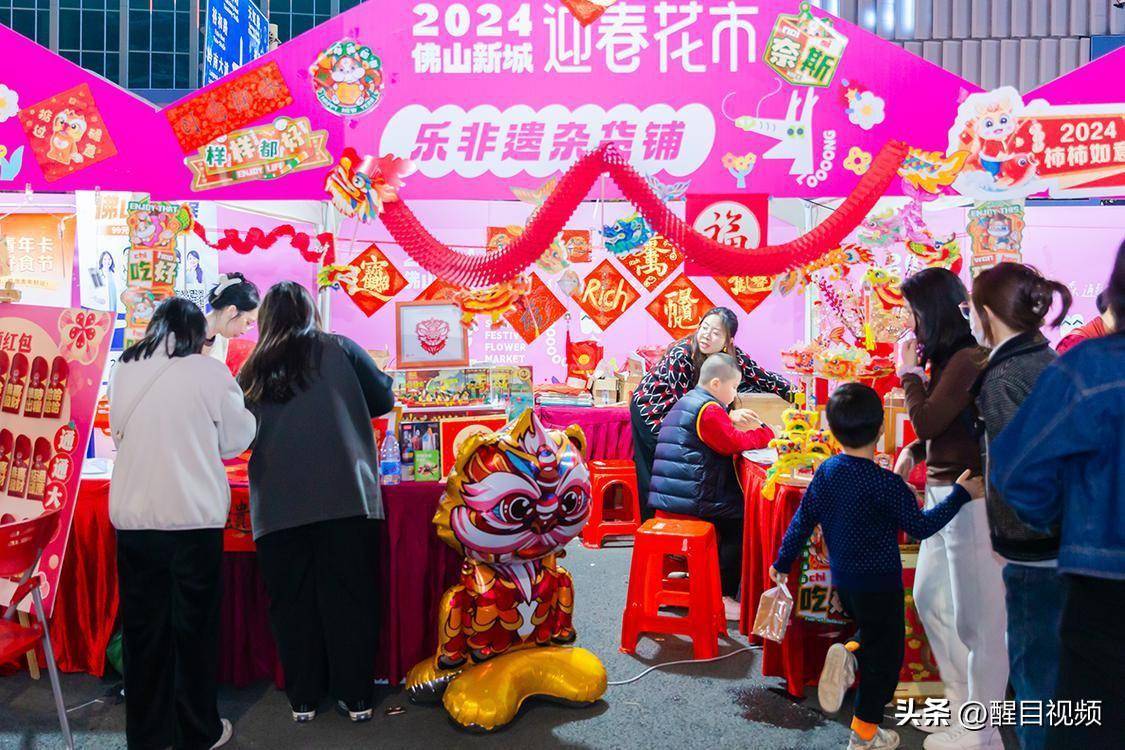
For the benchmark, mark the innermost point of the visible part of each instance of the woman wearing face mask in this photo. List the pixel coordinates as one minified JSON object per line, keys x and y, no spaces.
{"x":234,"y":310}
{"x":1010,"y":303}
{"x":958,"y":588}
{"x":677,"y":373}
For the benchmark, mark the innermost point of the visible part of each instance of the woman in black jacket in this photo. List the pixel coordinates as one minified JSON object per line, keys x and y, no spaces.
{"x":314,"y":490}
{"x":677,"y":373}
{"x":1010,"y":304}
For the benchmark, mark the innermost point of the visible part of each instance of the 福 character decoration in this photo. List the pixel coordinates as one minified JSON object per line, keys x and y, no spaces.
{"x":513,"y":501}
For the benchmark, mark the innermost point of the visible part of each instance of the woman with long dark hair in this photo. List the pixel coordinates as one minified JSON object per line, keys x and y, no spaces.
{"x":175,"y":415}
{"x":234,"y":310}
{"x":314,"y":490}
{"x":957,"y":586}
{"x":1010,"y":305}
{"x":1060,"y":463}
{"x":677,"y":373}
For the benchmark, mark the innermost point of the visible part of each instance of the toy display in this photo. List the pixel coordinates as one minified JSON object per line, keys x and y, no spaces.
{"x":801,"y":446}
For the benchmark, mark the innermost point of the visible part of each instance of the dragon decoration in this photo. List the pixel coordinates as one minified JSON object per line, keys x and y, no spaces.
{"x":513,"y":501}
{"x":860,"y":303}
{"x":800,"y":446}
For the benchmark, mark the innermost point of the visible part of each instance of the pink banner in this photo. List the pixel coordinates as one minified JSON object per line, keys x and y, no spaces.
{"x":731,"y":95}
{"x":51,"y":363}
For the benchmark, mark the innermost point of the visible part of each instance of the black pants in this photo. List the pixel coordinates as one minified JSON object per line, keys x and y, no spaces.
{"x":170,"y":595}
{"x":881,"y":631}
{"x":729,"y":533}
{"x":1090,"y":667}
{"x":644,"y":454}
{"x":321,"y":582}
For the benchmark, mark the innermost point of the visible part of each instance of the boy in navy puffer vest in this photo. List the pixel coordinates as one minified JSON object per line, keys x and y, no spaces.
{"x":693,"y":474}
{"x":860,"y":508}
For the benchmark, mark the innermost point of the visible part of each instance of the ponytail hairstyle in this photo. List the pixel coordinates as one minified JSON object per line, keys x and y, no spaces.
{"x":233,"y":289}
{"x":1019,"y":296}
{"x":289,"y":345}
{"x":178,"y":326}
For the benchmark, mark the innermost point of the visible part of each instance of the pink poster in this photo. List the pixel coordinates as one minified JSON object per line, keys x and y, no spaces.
{"x":51,"y":363}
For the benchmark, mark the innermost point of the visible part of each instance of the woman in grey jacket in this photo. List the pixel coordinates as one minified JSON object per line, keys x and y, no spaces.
{"x":1009,"y":305}
{"x":314,"y":490}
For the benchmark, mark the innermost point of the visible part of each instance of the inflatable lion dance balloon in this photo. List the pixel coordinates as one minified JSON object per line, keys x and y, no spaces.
{"x":513,"y":501}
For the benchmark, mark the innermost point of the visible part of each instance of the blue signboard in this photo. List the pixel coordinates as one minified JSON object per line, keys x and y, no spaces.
{"x":236,"y":33}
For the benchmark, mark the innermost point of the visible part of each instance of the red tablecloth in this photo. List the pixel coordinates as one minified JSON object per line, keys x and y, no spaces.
{"x":415,"y":569}
{"x":608,"y":434}
{"x":799,"y":658}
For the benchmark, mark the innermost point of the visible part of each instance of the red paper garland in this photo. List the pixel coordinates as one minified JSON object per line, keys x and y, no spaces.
{"x":549,"y":219}
{"x":255,"y":238}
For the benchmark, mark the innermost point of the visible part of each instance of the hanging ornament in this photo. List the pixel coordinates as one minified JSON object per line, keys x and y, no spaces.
{"x":569,"y":283}
{"x":886,"y":285}
{"x":495,"y":301}
{"x":476,"y":270}
{"x":655,"y":261}
{"x":360,"y":187}
{"x":535,"y":312}
{"x":370,"y":280}
{"x":680,"y":307}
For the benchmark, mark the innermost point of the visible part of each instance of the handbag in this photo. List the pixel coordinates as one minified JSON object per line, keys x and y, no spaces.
{"x":119,"y":433}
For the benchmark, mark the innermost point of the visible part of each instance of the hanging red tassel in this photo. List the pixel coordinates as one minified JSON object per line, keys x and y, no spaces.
{"x":476,"y":270}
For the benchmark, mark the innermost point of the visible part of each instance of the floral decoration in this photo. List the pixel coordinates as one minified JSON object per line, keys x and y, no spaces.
{"x":82,"y":333}
{"x":857,"y":161}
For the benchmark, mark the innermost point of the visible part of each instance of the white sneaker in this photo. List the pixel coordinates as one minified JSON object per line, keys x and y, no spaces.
{"x":931,"y":727}
{"x":732,"y":609}
{"x":884,"y":739}
{"x":228,"y":732}
{"x":836,"y":677}
{"x":960,"y":738}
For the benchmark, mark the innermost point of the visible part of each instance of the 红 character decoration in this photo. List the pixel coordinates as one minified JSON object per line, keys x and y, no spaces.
{"x":514,"y":499}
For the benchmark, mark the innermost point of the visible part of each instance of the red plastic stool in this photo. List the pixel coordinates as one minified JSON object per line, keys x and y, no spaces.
{"x":606,"y":478}
{"x":705,"y":620}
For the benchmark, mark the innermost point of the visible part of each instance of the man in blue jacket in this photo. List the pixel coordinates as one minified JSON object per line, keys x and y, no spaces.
{"x":1062,"y":461}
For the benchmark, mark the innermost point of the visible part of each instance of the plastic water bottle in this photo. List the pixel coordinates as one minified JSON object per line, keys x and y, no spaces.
{"x":390,"y":461}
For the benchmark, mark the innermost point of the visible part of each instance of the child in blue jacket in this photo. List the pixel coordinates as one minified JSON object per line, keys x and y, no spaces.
{"x":860,"y":508}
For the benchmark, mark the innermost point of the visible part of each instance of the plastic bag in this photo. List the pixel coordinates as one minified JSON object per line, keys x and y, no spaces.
{"x":774,"y":609}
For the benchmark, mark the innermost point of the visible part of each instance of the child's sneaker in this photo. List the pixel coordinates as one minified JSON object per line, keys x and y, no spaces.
{"x":303,"y":713}
{"x":836,"y":677}
{"x":884,"y":739}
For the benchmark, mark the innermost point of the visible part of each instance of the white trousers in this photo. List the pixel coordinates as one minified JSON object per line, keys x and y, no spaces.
{"x":959,"y":593}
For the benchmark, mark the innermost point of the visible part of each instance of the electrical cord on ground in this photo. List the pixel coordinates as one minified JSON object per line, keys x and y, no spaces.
{"x":682,"y":661}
